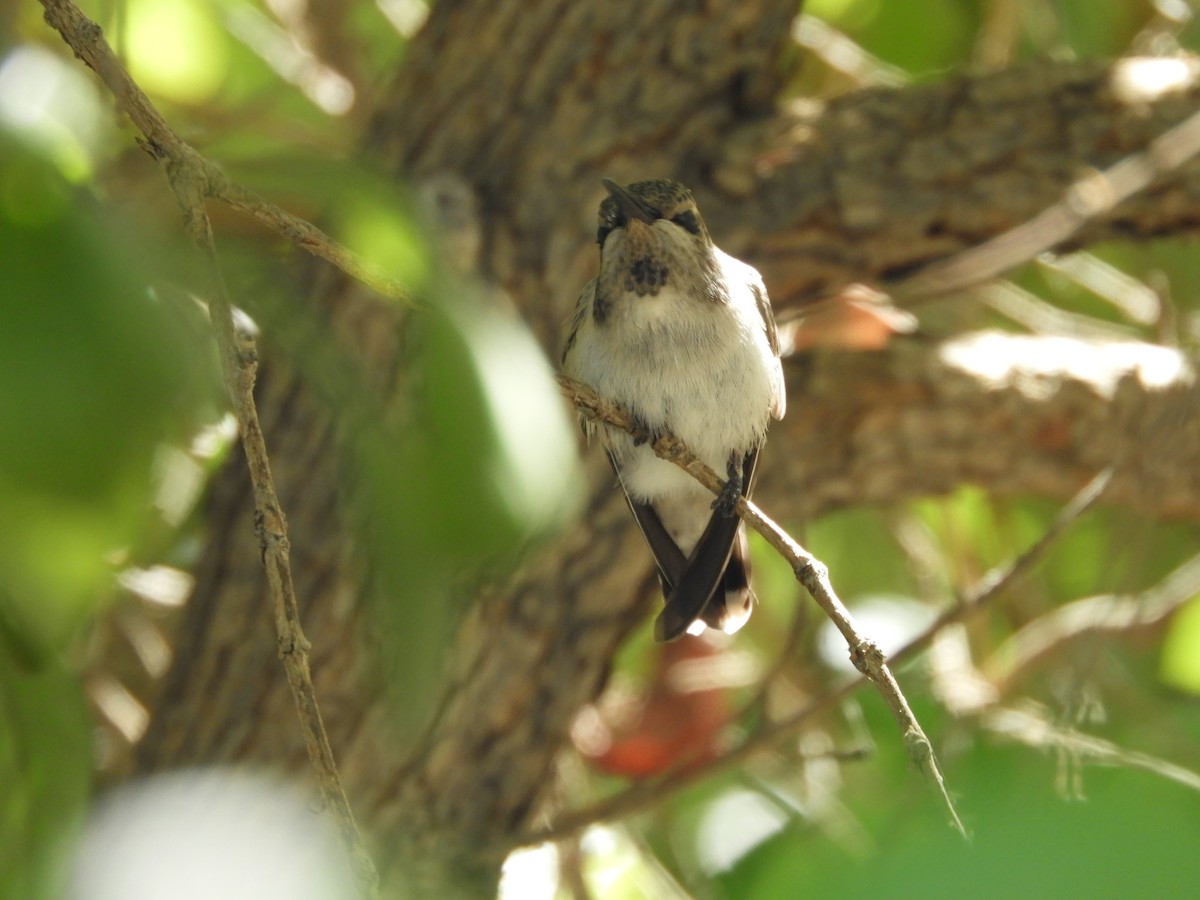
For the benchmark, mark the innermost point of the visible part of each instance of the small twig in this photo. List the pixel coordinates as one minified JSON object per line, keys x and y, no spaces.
{"x":809,"y":571}
{"x":1103,"y":614}
{"x":190,"y":179}
{"x":999,"y":578}
{"x":159,"y":140}
{"x":1031,"y":726}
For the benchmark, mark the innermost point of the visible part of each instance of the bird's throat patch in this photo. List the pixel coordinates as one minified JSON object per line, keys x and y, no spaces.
{"x":645,"y":275}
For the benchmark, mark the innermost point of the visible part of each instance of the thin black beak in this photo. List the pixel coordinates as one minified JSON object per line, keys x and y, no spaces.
{"x":631,"y":206}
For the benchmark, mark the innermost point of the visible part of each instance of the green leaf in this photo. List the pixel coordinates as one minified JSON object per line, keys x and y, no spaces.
{"x":1181,"y":650}
{"x":1133,"y":836}
{"x":94,"y":373}
{"x":45,"y":770}
{"x":486,"y":464}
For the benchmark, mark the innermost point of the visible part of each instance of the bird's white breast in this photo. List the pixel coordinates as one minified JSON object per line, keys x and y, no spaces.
{"x":701,"y":370}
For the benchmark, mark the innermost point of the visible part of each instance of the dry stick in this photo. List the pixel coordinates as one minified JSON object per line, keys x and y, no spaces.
{"x":810,"y":572}
{"x":1106,"y":613}
{"x":190,"y":179}
{"x":240,"y":364}
{"x":647,"y":794}
{"x":86,"y":38}
{"x":299,"y":231}
{"x":1027,"y":726}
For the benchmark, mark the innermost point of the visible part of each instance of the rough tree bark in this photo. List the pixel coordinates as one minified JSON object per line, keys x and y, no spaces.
{"x":530,"y":103}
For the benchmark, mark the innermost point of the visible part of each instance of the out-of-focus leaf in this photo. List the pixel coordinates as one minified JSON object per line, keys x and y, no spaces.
{"x":474,"y":458}
{"x":939,"y":38}
{"x":94,"y":372}
{"x":860,"y":552}
{"x":486,"y":463}
{"x":1181,"y":650}
{"x":374,"y":224}
{"x":1134,"y":835}
{"x":1100,"y":30}
{"x":175,"y":48}
{"x":45,"y":774}
{"x":55,"y":107}
{"x":845,"y":13}
{"x":965,"y":524}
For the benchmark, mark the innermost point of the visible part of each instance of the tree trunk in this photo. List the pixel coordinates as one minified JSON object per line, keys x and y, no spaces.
{"x":530,"y":103}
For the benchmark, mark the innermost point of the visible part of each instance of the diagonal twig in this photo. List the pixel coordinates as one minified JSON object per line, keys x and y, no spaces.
{"x":809,"y":571}
{"x":160,"y":140}
{"x":1030,"y":725}
{"x":190,"y":178}
{"x":1099,"y":615}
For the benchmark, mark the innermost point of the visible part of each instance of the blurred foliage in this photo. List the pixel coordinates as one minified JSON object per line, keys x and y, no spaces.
{"x":45,"y":770}
{"x":473,"y":458}
{"x":464,"y":471}
{"x":105,"y":360}
{"x":470,"y":465}
{"x":97,"y":371}
{"x":481,"y":462}
{"x":94,"y":371}
{"x":1130,"y":835}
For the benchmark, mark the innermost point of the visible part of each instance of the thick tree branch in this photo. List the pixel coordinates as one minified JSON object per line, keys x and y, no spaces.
{"x":1087,"y":200}
{"x":872,"y":187}
{"x":1013,"y":414}
{"x":883,"y":182}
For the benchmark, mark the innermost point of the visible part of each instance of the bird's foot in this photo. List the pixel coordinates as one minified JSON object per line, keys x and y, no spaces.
{"x":642,"y":433}
{"x":726,"y":502}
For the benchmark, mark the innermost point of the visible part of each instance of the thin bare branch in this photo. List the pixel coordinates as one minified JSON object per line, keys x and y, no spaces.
{"x":189,"y":177}
{"x":1103,"y":614}
{"x":160,"y":140}
{"x":300,"y":232}
{"x":809,"y":571}
{"x":1032,"y":726}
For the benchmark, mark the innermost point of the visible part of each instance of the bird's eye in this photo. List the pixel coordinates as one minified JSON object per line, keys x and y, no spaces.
{"x":609,"y":220}
{"x":687,"y":221}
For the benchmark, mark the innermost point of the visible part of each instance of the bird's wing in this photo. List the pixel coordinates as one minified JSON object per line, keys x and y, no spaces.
{"x":667,"y":556}
{"x":732,"y":601}
{"x":702,"y":592}
{"x":779,"y":406}
{"x":583,"y":306}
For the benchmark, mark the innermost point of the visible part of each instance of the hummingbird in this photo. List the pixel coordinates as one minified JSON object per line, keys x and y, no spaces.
{"x":682,"y":336}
